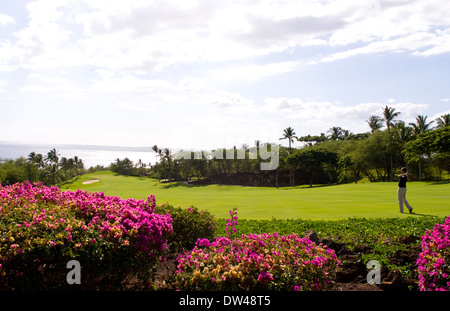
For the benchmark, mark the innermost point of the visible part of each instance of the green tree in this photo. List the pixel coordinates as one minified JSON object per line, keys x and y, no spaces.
{"x":421,"y":126}
{"x":36,"y":159}
{"x":78,"y":165}
{"x":375,"y":123}
{"x":168,"y":159}
{"x":199,"y":166}
{"x":402,"y":134}
{"x":67,"y":166}
{"x":389,"y":115}
{"x":123,"y":167}
{"x":52,"y":175}
{"x":141,"y":166}
{"x":52,"y":157}
{"x":443,"y":121}
{"x":336,"y":133}
{"x":372,"y":156}
{"x":312,"y":161}
{"x":431,"y":144}
{"x":311,"y":140}
{"x":289,"y":134}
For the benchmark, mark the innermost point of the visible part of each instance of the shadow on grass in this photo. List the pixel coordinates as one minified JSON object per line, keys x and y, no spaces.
{"x":422,"y":215}
{"x":177,"y":184}
{"x":167,"y":185}
{"x":440,"y":182}
{"x":68,"y":183}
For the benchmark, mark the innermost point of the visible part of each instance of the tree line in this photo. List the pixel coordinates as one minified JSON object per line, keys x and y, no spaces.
{"x":51,"y":169}
{"x":341,"y":156}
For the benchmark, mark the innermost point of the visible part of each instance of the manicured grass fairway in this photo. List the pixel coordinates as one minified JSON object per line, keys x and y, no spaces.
{"x":370,"y":200}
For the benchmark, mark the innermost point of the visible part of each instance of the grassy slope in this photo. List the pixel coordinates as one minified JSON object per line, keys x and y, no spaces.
{"x":330,"y":202}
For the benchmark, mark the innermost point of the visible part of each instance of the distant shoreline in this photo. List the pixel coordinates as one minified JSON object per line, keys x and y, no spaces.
{"x":92,"y":155}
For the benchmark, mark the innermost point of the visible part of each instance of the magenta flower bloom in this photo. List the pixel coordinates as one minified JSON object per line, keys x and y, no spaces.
{"x":265,"y":277}
{"x":432,"y":268}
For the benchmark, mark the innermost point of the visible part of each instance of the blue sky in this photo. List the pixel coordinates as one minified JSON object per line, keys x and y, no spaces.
{"x":206,"y":74}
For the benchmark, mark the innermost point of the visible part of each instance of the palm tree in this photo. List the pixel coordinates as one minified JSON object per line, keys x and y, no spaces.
{"x":78,"y":164}
{"x":389,"y":115}
{"x":443,"y":121}
{"x":336,"y":133}
{"x":289,"y":134}
{"x":72,"y":165}
{"x":52,"y":157}
{"x":375,"y":123}
{"x":168,"y":157}
{"x":156,"y":150}
{"x":36,"y":159}
{"x":402,"y":133}
{"x":141,"y":168}
{"x":346,"y":134}
{"x":64,"y":165}
{"x":421,"y":126}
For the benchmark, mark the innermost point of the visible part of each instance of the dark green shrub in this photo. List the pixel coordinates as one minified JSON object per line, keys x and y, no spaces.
{"x":189,"y":225}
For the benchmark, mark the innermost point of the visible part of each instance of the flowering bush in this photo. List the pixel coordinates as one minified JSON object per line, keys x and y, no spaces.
{"x":257,"y":262}
{"x":434,"y":260}
{"x":231,"y":224}
{"x":42,"y":228}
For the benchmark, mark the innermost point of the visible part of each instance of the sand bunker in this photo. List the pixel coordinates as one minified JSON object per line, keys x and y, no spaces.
{"x":90,"y":181}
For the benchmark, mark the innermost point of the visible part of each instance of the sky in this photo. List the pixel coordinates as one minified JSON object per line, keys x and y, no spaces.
{"x":202,"y":74}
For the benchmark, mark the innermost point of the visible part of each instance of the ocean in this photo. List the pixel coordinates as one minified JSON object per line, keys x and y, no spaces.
{"x":90,"y":154}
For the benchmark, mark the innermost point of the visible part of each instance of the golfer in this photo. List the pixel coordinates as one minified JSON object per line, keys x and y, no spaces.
{"x":404,"y":177}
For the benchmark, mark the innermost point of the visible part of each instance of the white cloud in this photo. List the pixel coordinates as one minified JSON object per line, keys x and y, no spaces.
{"x":423,"y":44}
{"x":192,"y":84}
{"x":6,"y":19}
{"x":296,"y":108}
{"x":53,"y":85}
{"x":8,"y":54}
{"x":143,"y":36}
{"x":130,"y":83}
{"x":253,"y":72}
{"x":231,"y":102}
{"x":438,"y":115}
{"x":418,"y":27}
{"x":147,"y":107}
{"x":336,"y":113}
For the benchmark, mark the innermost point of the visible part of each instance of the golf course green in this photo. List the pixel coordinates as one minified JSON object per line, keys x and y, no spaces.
{"x":330,"y":202}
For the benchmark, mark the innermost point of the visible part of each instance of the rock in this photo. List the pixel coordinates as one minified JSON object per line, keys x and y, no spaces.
{"x":329,"y":243}
{"x":409,"y":239}
{"x":362,"y":248}
{"x":351,"y":272}
{"x":401,"y":257}
{"x":310,"y":234}
{"x":393,"y":281}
